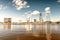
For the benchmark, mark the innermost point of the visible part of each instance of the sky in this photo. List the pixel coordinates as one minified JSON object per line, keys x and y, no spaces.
{"x":23,"y":9}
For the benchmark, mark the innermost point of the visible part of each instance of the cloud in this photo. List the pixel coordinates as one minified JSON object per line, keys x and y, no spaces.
{"x":29,"y":13}
{"x":19,"y":4}
{"x":35,"y":12}
{"x":58,"y":1}
{"x":2,"y":7}
{"x":47,"y":10}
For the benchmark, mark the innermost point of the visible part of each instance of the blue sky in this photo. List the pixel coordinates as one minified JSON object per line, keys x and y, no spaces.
{"x":9,"y":8}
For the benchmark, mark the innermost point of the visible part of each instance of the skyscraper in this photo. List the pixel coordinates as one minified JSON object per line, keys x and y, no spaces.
{"x":40,"y":18}
{"x":48,"y":28}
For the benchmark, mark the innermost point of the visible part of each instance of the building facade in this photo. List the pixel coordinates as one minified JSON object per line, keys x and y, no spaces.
{"x":7,"y":23}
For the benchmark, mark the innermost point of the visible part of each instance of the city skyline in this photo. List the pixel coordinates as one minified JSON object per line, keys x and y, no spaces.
{"x":18,"y":9}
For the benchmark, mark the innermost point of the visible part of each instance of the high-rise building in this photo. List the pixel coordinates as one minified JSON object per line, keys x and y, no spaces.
{"x":48,"y":27}
{"x":48,"y":17}
{"x":34,"y":20}
{"x":7,"y":23}
{"x":40,"y":18}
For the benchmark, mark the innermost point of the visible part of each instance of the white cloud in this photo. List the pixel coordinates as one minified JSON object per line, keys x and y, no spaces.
{"x":58,"y":1}
{"x":35,"y":12}
{"x":29,"y":14}
{"x":2,"y":7}
{"x":19,"y":4}
{"x":47,"y":10}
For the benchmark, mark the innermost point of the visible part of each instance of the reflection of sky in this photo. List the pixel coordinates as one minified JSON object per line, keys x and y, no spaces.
{"x":39,"y":5}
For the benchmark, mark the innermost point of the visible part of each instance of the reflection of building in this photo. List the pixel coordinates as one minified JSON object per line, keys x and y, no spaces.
{"x":7,"y":23}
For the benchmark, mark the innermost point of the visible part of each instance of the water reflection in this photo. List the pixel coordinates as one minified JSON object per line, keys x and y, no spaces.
{"x":7,"y":27}
{"x":33,"y":28}
{"x":28,"y":28}
{"x":37,"y":32}
{"x":48,"y":31}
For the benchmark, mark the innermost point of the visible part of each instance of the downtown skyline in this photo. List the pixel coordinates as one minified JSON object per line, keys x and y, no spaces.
{"x":17,"y":9}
